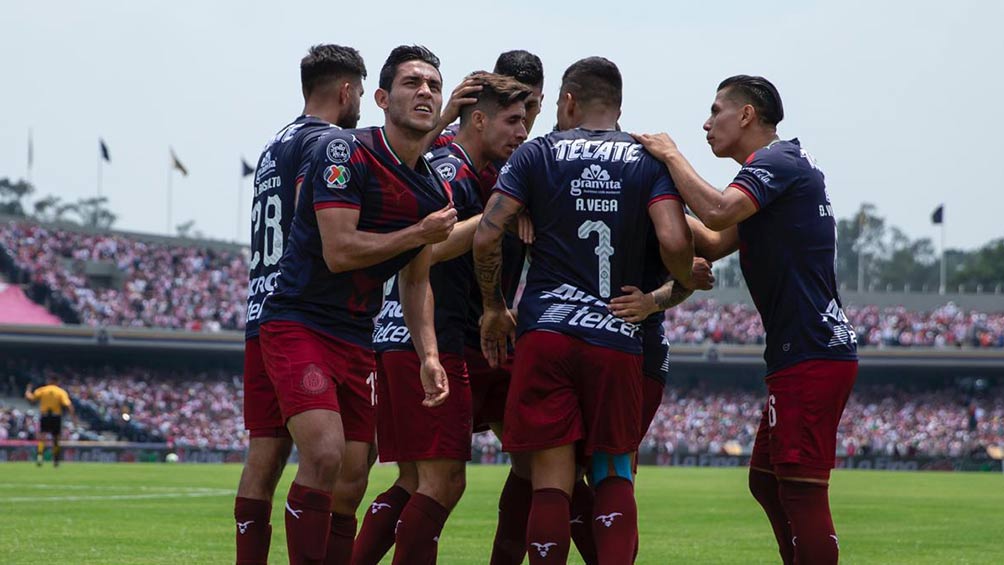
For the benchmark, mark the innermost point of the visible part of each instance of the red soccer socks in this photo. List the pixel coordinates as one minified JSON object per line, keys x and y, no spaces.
{"x":341,"y":537}
{"x":308,"y":520}
{"x":812,"y":534}
{"x":254,"y":533}
{"x":548,"y":535}
{"x":510,"y":534}
{"x":764,"y":487}
{"x":418,"y":531}
{"x":615,"y":521}
{"x":376,"y":536}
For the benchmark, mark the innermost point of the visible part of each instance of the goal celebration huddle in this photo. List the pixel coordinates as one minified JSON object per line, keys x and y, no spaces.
{"x":445,"y":274}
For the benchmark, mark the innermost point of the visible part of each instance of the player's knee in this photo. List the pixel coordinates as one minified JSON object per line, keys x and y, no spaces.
{"x":325,"y":465}
{"x":349,"y":492}
{"x":606,"y":465}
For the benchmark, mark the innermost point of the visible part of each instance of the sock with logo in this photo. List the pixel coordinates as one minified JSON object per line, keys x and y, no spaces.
{"x":341,"y":537}
{"x":812,"y":534}
{"x":254,"y":533}
{"x":615,"y":520}
{"x":582,"y":522}
{"x":509,"y":546}
{"x":376,"y":536}
{"x":308,"y":520}
{"x":417,"y":539}
{"x":764,"y":487}
{"x":548,"y":535}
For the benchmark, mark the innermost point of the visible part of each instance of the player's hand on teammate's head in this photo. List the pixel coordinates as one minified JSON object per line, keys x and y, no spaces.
{"x":436,"y":227}
{"x":434,"y":382}
{"x":701,"y":274}
{"x":634,"y":305}
{"x":660,"y":145}
{"x":498,"y":329}
{"x":524,"y":228}
{"x":460,"y":97}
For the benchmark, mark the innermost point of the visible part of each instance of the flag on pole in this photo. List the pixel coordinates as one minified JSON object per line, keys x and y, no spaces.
{"x":177,"y":164}
{"x":245,"y":168}
{"x":938,"y":216}
{"x":104,"y":151}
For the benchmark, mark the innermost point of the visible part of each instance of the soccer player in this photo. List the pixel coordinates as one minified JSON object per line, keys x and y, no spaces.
{"x":52,"y":401}
{"x":777,"y":213}
{"x":369,"y":206}
{"x":431,"y":445}
{"x":331,"y":81}
{"x":590,"y":192}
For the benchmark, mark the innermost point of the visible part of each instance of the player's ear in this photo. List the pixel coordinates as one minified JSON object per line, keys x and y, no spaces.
{"x":479,"y":119}
{"x":747,"y":116}
{"x":381,"y":97}
{"x":345,"y":93}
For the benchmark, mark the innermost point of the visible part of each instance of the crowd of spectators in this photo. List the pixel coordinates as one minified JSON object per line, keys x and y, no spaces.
{"x":197,"y":288}
{"x":878,"y":420}
{"x":706,"y":321}
{"x":204,"y":410}
{"x":163,"y":286}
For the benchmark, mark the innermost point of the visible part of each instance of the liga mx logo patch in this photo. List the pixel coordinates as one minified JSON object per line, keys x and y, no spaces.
{"x":313,"y":380}
{"x":337,"y":176}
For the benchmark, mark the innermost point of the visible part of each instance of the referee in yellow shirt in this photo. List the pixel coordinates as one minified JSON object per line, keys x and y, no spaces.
{"x":53,"y":401}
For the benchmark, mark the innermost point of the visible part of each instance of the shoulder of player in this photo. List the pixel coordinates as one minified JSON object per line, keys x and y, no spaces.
{"x":778,"y":156}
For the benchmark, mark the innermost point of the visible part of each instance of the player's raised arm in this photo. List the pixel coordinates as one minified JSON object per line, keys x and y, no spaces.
{"x":418,"y":306}
{"x":635,"y":305}
{"x":497,"y":324}
{"x":347,"y":248}
{"x":676,"y":241}
{"x":29,"y":393}
{"x":719,"y":210}
{"x":710,"y":244}
{"x":459,"y":241}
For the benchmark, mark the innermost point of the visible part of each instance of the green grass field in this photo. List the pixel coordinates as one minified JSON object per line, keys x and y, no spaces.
{"x":159,"y":513}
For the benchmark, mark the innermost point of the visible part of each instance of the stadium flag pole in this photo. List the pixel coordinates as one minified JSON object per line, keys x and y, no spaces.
{"x":31,"y":153}
{"x":938,"y":217}
{"x":170,"y":175}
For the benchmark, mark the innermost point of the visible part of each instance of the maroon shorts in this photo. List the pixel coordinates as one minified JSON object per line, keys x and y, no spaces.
{"x":262,"y":416}
{"x":798,"y":429}
{"x":651,"y":394}
{"x":489,"y":388}
{"x":564,"y":390}
{"x":310,"y":370}
{"x":408,"y":431}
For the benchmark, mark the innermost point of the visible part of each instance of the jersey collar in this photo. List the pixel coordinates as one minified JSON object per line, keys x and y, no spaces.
{"x":386,"y":144}
{"x":464,"y":154}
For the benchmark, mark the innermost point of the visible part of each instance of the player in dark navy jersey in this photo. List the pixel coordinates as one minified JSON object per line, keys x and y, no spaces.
{"x":576,"y":385}
{"x":368,"y":207}
{"x":777,"y":213}
{"x":331,"y":79}
{"x":431,"y":446}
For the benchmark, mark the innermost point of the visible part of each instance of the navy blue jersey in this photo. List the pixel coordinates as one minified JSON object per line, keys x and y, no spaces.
{"x":588,"y":194}
{"x":655,"y":345}
{"x":787,"y":251}
{"x":283,"y":164}
{"x":451,"y":280}
{"x":350,"y":169}
{"x":446,"y":137}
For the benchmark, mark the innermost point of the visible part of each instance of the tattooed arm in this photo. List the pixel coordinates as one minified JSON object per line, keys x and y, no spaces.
{"x":497,"y":324}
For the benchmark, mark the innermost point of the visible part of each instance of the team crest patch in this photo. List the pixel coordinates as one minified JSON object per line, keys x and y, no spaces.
{"x":447,"y":170}
{"x":314,"y":381}
{"x":337,"y":176}
{"x":339,"y":151}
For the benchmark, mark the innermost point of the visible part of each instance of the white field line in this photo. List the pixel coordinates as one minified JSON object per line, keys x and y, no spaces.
{"x":59,"y":486}
{"x":165,"y":493}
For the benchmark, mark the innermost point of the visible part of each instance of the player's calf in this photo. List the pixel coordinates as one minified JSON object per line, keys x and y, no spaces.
{"x":615,"y":513}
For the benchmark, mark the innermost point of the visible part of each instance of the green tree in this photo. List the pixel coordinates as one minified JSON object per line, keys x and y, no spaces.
{"x":94,"y":212}
{"x":982,"y":267}
{"x":53,"y":209}
{"x":12,"y":195}
{"x":862,"y":235}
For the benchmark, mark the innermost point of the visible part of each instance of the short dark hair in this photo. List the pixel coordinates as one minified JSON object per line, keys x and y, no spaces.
{"x":403,"y":54}
{"x":327,"y":62}
{"x":757,"y":92}
{"x":497,"y":92}
{"x":594,"y":79}
{"x":522,"y":66}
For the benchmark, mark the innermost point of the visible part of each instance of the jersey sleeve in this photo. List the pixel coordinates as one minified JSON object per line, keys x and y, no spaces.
{"x":337,"y":172}
{"x":663,"y":187}
{"x":64,"y":398}
{"x":466,"y":196}
{"x":763,"y":178}
{"x":307,"y":153}
{"x":514,"y":177}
